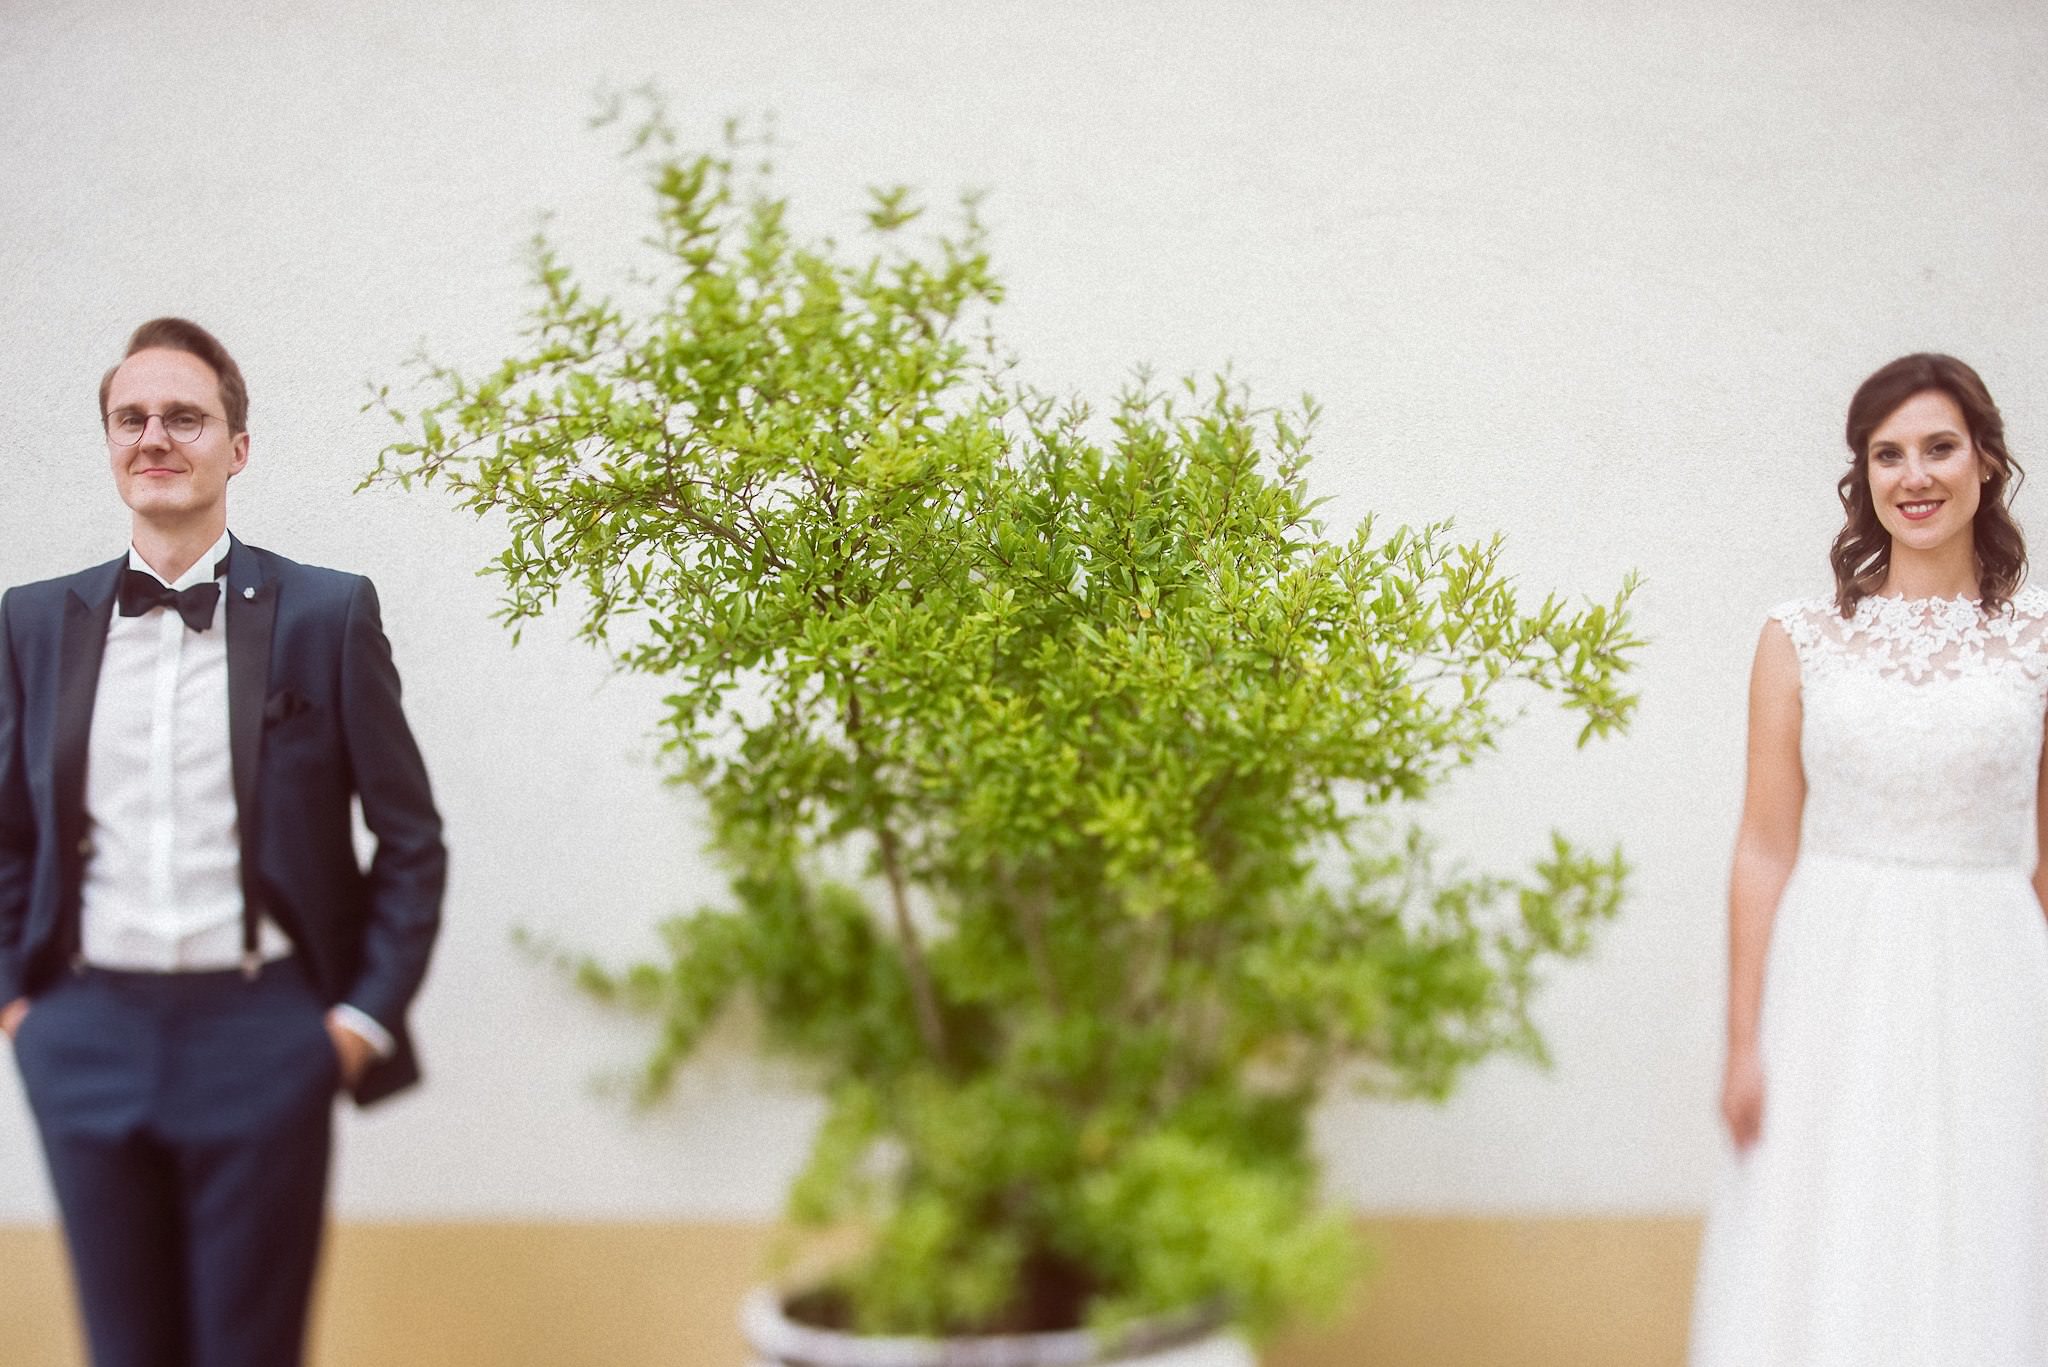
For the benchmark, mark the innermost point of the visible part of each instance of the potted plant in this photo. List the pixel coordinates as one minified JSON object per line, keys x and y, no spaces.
{"x":1054,"y":758}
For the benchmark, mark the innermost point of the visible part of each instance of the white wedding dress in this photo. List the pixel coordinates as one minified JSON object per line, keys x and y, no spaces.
{"x":1895,"y":1208}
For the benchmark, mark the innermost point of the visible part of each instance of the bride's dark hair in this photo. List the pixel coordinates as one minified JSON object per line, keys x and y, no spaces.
{"x":1862,"y":553}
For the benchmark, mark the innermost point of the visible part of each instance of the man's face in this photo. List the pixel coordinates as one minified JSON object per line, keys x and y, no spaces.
{"x":162,"y":480}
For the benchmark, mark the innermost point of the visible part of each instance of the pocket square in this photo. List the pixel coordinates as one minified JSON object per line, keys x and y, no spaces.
{"x":283,"y":706}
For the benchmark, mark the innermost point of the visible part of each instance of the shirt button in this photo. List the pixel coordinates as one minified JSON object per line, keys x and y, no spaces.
{"x":85,"y":846}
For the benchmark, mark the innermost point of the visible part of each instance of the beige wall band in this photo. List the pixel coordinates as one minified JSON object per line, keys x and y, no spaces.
{"x":1449,"y":1292}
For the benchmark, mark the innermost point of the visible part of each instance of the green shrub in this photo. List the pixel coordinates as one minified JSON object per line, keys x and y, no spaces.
{"x":1112,"y":724}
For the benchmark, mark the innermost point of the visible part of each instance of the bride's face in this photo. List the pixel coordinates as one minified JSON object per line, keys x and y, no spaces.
{"x":1925,"y":473}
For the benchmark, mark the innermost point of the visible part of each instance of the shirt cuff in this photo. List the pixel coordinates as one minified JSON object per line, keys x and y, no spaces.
{"x":358,"y":1022}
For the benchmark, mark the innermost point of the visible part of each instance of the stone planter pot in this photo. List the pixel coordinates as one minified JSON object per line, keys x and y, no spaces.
{"x":1186,"y":1341}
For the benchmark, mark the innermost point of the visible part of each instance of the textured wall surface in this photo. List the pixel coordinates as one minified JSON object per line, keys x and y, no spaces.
{"x":1600,"y":281}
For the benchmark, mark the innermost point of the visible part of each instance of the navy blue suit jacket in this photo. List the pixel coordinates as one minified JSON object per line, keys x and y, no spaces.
{"x":314,"y":723}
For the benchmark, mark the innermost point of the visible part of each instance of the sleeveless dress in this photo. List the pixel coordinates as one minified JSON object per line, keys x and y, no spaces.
{"x":1894,"y":1209}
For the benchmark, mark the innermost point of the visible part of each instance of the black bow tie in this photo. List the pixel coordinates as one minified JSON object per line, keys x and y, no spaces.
{"x":140,"y":592}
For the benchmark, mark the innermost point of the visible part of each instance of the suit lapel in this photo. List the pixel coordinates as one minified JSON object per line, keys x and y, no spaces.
{"x":251,"y":613}
{"x":83,"y":643}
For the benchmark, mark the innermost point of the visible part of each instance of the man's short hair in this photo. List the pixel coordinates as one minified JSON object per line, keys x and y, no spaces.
{"x":179,"y":334}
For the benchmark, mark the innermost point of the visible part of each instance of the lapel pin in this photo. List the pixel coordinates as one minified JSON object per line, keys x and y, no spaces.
{"x":249,"y":593}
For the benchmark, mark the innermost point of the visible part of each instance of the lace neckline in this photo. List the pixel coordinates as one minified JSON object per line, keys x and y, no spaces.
{"x":1917,"y":638}
{"x":1958,"y":609}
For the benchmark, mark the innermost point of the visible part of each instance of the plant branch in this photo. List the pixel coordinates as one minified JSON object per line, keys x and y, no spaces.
{"x":924,"y":995}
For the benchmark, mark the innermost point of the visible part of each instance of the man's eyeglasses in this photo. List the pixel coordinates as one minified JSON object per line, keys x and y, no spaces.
{"x":126,"y":427}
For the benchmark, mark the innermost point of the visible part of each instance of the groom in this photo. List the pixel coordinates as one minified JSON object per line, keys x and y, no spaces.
{"x":192,"y":959}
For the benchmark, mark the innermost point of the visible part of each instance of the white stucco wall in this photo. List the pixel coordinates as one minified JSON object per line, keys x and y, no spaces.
{"x":1600,"y":280}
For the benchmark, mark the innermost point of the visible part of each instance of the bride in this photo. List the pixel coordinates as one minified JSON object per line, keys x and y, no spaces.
{"x":1886,"y":1081}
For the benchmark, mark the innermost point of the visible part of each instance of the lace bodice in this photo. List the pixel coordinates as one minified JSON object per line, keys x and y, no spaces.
{"x":1921,"y":727}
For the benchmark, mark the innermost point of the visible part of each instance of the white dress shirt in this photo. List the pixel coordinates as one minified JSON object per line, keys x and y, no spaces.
{"x":162,"y":887}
